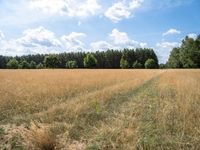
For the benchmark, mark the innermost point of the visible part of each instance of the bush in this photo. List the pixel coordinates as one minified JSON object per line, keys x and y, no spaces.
{"x":71,"y":64}
{"x":137,"y":65}
{"x":124,"y":63}
{"x":162,"y":66}
{"x":51,"y":61}
{"x":150,"y":64}
{"x":40,"y":66}
{"x":90,"y":61}
{"x":24,"y":65}
{"x":12,"y":64}
{"x":33,"y":65}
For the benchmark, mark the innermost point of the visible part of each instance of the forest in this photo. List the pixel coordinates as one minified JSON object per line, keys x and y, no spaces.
{"x":185,"y":56}
{"x":126,"y":58}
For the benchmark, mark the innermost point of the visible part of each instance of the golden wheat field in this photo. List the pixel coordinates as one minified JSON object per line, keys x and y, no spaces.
{"x":99,"y":109}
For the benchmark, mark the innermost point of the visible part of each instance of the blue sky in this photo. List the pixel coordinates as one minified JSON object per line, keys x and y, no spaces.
{"x":54,"y":26}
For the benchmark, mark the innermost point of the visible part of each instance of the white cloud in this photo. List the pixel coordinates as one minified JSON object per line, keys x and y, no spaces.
{"x":121,"y":39}
{"x":133,"y":4}
{"x":143,"y":45}
{"x":122,"y":9}
{"x":71,"y":8}
{"x":41,"y":40}
{"x":73,"y":41}
{"x":73,"y":36}
{"x":12,"y":47}
{"x":117,"y":40}
{"x":117,"y":12}
{"x":39,"y":37}
{"x":49,"y":6}
{"x":167,"y":44}
{"x":101,"y":45}
{"x":163,"y":50}
{"x":171,"y":31}
{"x":38,"y":40}
{"x":192,"y":35}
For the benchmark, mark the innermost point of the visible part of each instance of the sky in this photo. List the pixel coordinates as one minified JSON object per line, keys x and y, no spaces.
{"x":56,"y":26}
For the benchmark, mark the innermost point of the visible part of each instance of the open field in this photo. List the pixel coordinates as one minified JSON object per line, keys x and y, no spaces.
{"x":100,"y":109}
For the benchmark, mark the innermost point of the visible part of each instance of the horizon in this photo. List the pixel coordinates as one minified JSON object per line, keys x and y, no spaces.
{"x":41,"y":26}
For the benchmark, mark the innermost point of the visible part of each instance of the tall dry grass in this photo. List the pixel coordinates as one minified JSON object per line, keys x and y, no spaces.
{"x":38,"y":136}
{"x":32,"y":91}
{"x":61,"y":97}
{"x":178,"y":108}
{"x":164,"y":114}
{"x":102,"y":109}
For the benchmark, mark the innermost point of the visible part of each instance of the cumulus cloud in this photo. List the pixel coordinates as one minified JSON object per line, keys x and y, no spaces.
{"x":71,"y":8}
{"x":171,"y":32}
{"x":39,"y":37}
{"x":121,"y":39}
{"x":38,"y":40}
{"x":12,"y":47}
{"x":73,"y":41}
{"x":122,"y":10}
{"x":101,"y":45}
{"x":49,"y":6}
{"x":41,"y":40}
{"x":167,"y":44}
{"x":192,"y":35}
{"x":163,"y":50}
{"x":117,"y":40}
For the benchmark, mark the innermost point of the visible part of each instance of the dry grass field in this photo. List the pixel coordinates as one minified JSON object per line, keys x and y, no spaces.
{"x":99,"y":109}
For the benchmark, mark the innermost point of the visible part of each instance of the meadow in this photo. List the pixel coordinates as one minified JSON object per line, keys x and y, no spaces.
{"x":88,"y":109}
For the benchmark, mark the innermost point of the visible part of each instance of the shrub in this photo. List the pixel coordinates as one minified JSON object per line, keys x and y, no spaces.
{"x":71,"y":64}
{"x":150,"y":64}
{"x":51,"y":61}
{"x":40,"y":66}
{"x":24,"y":65}
{"x":12,"y":64}
{"x":90,"y":61}
{"x":162,"y":66}
{"x":124,"y":63}
{"x":33,"y":65}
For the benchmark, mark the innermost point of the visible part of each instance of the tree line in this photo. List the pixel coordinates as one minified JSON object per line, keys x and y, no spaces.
{"x":127,"y":58}
{"x":185,"y":56}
